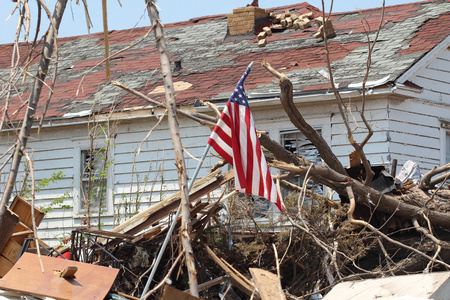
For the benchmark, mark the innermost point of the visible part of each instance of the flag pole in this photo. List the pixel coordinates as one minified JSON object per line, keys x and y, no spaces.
{"x":172,"y":226}
{"x":174,"y":221}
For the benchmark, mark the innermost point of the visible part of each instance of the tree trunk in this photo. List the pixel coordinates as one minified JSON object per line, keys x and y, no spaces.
{"x":287,"y":100}
{"x":178,"y":148}
{"x":47,"y":51}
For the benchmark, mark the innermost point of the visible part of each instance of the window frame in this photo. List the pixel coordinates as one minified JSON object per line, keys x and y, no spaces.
{"x":78,"y":207}
{"x":282,"y":132}
{"x":445,"y":142}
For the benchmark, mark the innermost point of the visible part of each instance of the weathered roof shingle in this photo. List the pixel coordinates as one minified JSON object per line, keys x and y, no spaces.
{"x":212,"y":63}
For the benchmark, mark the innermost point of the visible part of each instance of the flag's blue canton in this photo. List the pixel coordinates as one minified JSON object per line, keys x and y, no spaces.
{"x":238,"y":96}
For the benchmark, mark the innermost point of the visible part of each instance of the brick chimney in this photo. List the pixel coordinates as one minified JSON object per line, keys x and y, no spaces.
{"x":247,"y":19}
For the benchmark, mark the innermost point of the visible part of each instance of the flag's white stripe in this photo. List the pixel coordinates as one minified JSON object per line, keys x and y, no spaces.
{"x":221,"y":143}
{"x":224,"y":126}
{"x":256,"y":164}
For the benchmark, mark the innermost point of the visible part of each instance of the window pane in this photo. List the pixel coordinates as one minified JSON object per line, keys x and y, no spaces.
{"x":298,"y":144}
{"x":93,"y":181}
{"x":447,"y":147}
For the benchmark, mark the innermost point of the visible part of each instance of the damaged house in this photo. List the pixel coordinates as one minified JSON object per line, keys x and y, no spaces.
{"x":94,"y":133}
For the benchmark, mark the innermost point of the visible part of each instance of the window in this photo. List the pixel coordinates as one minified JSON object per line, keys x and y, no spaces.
{"x":447,"y":147}
{"x":93,"y":187}
{"x":297,"y":143}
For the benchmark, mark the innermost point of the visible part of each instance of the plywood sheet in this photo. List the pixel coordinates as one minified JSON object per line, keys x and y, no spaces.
{"x":90,"y":281}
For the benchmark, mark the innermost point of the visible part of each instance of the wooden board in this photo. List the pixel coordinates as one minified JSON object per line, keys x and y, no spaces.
{"x":160,"y":210}
{"x":90,"y":282}
{"x":238,"y":280}
{"x":21,"y":227}
{"x":5,"y":265}
{"x":267,"y":284}
{"x":12,"y":250}
{"x":23,"y":208}
{"x":7,"y":227}
{"x":171,"y":293}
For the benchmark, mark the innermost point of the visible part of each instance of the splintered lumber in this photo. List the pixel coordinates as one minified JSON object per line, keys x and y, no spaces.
{"x":12,"y":250}
{"x":209,"y":284}
{"x":238,"y":280}
{"x":69,"y":272}
{"x":23,"y":209}
{"x":171,"y":293}
{"x":5,"y":265}
{"x":268,"y":284}
{"x":162,"y":209}
{"x":8,"y":226}
{"x":91,"y":282}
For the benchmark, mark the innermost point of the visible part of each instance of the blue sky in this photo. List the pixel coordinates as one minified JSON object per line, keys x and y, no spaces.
{"x":132,"y":13}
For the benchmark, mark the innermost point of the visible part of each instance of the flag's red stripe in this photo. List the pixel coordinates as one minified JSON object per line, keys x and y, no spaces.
{"x":235,"y":139}
{"x":239,"y":164}
{"x":247,"y":148}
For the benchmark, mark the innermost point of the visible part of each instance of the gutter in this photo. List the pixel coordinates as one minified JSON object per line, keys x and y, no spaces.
{"x":272,"y":98}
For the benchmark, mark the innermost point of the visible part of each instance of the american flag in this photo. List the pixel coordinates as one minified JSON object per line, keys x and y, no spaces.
{"x":234,"y":138}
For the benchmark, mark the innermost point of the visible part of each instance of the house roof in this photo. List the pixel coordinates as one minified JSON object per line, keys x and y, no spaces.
{"x":213,"y":62}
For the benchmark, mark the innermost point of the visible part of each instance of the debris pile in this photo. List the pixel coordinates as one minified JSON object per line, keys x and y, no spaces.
{"x":261,"y":261}
{"x":16,"y":233}
{"x":288,"y":20}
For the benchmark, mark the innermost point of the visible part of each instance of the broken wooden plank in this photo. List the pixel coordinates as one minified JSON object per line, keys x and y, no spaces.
{"x":268,"y":284}
{"x":5,"y":265}
{"x":8,"y":226}
{"x":148,"y":234}
{"x":126,"y":296}
{"x":162,"y":209}
{"x":21,"y":227}
{"x":23,"y":209}
{"x":238,"y":280}
{"x":69,"y":272}
{"x":206,"y":285}
{"x":107,"y":234}
{"x":21,"y":233}
{"x":12,"y":250}
{"x":91,"y":282}
{"x":171,"y":293}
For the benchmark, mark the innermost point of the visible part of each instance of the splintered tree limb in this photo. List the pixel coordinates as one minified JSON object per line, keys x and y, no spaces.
{"x":239,"y":280}
{"x":351,"y":196}
{"x":287,"y":101}
{"x":278,"y":150}
{"x":177,"y":145}
{"x":203,"y":119}
{"x":44,"y":63}
{"x":425,"y":183}
{"x":366,"y":195}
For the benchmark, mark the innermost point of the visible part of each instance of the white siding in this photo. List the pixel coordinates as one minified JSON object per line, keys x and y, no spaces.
{"x":414,"y":130}
{"x":377,"y":148}
{"x":434,"y":77}
{"x":403,"y":129}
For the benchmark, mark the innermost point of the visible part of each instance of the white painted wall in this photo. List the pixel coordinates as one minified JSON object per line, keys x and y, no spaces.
{"x":432,"y":74}
{"x":403,"y":129}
